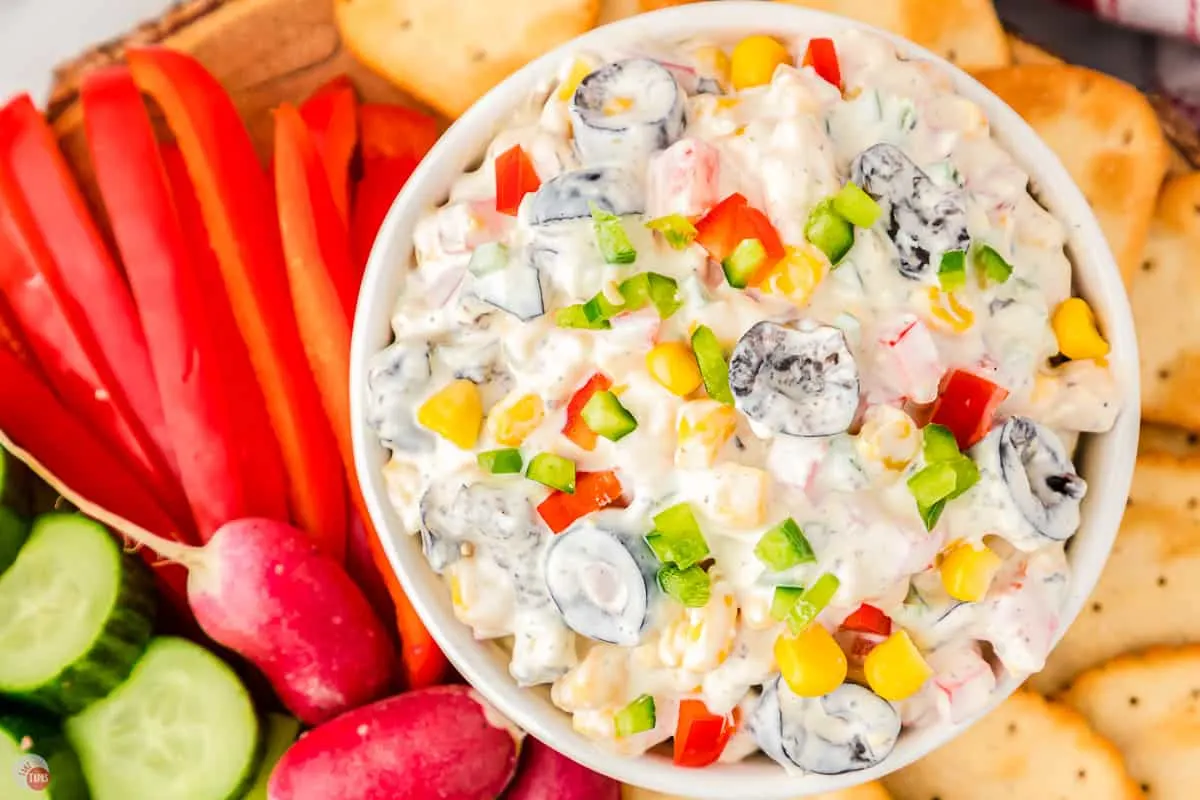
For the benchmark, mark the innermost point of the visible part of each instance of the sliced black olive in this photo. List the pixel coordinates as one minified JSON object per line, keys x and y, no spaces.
{"x":924,"y":220}
{"x":847,"y":730}
{"x":597,"y":585}
{"x":497,"y":518}
{"x":570,"y":195}
{"x":625,"y":112}
{"x":393,"y":375}
{"x":1038,"y":483}
{"x":799,"y":382}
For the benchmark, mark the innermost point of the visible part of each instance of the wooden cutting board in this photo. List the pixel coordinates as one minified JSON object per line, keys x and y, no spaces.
{"x":263,"y":51}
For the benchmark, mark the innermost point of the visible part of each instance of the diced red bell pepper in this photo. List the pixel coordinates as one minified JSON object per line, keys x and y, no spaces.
{"x":255,"y":442}
{"x":392,"y":132}
{"x":822,"y":56}
{"x":730,"y":222}
{"x":235,"y":198}
{"x":200,"y":413}
{"x":515,"y":178}
{"x":700,"y":736}
{"x":331,"y":114}
{"x":49,"y":223}
{"x":966,"y":405}
{"x":593,"y":491}
{"x":576,"y":429}
{"x":868,"y":619}
{"x":68,"y":448}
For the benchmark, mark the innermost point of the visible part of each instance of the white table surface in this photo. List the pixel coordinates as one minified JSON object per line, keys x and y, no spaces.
{"x":37,"y":34}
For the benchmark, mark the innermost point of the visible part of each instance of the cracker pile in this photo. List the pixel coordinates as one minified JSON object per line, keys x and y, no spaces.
{"x":1116,"y":714}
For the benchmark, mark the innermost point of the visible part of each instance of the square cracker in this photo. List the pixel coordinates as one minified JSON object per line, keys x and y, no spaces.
{"x":1106,"y":134}
{"x":1164,"y":299}
{"x":1168,"y":481}
{"x":1027,"y":748}
{"x":1147,"y":595}
{"x":448,"y":53}
{"x":1169,"y":440}
{"x":964,"y":32}
{"x":1026,"y":52}
{"x":613,"y":10}
{"x":1148,"y":704}
{"x":867,"y":791}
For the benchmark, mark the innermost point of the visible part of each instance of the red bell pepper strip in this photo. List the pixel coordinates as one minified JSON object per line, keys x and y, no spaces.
{"x":966,"y":405}
{"x":868,"y":619}
{"x":382,"y":180}
{"x":314,"y":244}
{"x":515,"y":178}
{"x":822,"y":56}
{"x":253,"y":437}
{"x":395,"y":132}
{"x":50,"y":222}
{"x":576,"y":429}
{"x":424,"y":662}
{"x":37,"y":421}
{"x":700,"y":736}
{"x":11,"y":338}
{"x":593,"y":491}
{"x":239,"y":214}
{"x":200,"y":412}
{"x":730,"y":222}
{"x":331,"y":114}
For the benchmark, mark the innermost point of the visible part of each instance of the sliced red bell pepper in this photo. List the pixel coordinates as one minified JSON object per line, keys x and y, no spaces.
{"x":254,"y":438}
{"x":11,"y":338}
{"x":235,"y":198}
{"x":37,"y":421}
{"x":593,"y":491}
{"x":868,"y":619}
{"x":49,"y":222}
{"x":382,"y":180}
{"x":515,"y":178}
{"x":576,"y":429}
{"x":822,"y":56}
{"x":424,"y":662}
{"x":331,"y":114}
{"x":966,"y":405}
{"x":700,"y":736}
{"x":732,"y":221}
{"x":200,"y":413}
{"x":395,"y":132}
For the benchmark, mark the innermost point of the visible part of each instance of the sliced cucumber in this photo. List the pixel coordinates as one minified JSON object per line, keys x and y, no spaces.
{"x":182,"y":727}
{"x":75,"y":614}
{"x":28,"y":742}
{"x":14,"y":530}
{"x":282,"y":732}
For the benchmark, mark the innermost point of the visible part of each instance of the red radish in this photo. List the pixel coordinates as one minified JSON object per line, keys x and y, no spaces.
{"x":443,"y":742}
{"x":548,"y":775}
{"x":266,"y":591}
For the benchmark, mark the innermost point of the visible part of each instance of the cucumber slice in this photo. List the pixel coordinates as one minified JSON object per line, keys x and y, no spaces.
{"x":75,"y":613}
{"x":28,"y":742}
{"x":182,"y":727}
{"x":282,"y":732}
{"x":13,"y":532}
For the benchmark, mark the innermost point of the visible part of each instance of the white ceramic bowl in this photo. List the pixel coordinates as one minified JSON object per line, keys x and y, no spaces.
{"x":1107,"y":460}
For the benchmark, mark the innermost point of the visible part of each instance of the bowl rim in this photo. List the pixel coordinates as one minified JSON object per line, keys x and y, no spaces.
{"x":1107,"y":458}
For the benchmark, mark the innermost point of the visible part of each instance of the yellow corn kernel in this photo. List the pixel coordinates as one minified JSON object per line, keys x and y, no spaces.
{"x":704,"y":428}
{"x":454,"y":412}
{"x":888,"y":437}
{"x":948,"y":313}
{"x":674,"y":366}
{"x":794,"y":277}
{"x":1075,"y":328}
{"x":812,"y":663}
{"x":727,"y":103}
{"x":579,"y":70}
{"x":713,"y":62}
{"x":967,"y":571}
{"x":456,"y":593}
{"x":755,"y":59}
{"x":895,"y":668}
{"x":514,"y":422}
{"x":739,"y":496}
